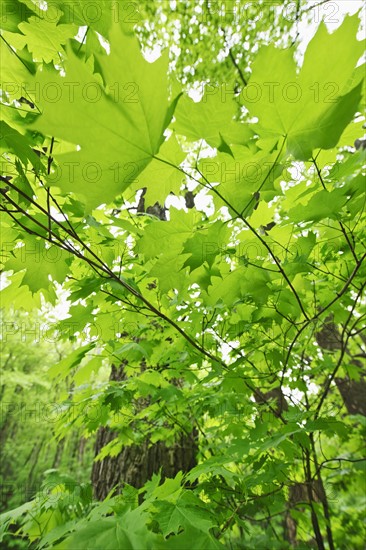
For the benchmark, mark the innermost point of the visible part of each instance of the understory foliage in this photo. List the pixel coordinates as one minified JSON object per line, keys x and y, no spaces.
{"x":30,"y":406}
{"x":239,"y":315}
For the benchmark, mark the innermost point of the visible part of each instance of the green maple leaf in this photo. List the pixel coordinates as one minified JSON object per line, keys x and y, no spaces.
{"x":44,"y":39}
{"x":80,"y":316}
{"x":96,"y":16}
{"x":167,"y":236}
{"x":16,"y":295}
{"x":162,"y":176}
{"x":240,"y":176}
{"x":188,"y":511}
{"x":226,"y":288}
{"x":12,"y":141}
{"x":324,"y":204}
{"x":168,"y":270}
{"x":211,"y":118}
{"x":10,"y":18}
{"x":115,"y":123}
{"x":202,"y":276}
{"x":39,"y":263}
{"x":128,"y":532}
{"x":14,"y":75}
{"x":311,"y":108}
{"x":202,"y":541}
{"x":205,"y":245}
{"x":63,"y":368}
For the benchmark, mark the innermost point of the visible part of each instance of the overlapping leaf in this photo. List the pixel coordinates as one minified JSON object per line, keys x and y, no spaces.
{"x":116,"y":128}
{"x":311,"y":108}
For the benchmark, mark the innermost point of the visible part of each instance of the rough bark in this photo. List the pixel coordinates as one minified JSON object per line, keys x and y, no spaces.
{"x":137,"y":463}
{"x":300,"y":493}
{"x":353,"y":392}
{"x":275,"y":395}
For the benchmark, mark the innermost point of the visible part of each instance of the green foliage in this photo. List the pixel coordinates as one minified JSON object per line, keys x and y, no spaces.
{"x":240,"y":317}
{"x":30,"y":406}
{"x":311,"y":108}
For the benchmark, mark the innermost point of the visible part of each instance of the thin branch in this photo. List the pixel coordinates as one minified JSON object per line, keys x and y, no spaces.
{"x":339,"y":460}
{"x":104,"y":268}
{"x":325,"y":308}
{"x":340,"y":223}
{"x":340,"y":359}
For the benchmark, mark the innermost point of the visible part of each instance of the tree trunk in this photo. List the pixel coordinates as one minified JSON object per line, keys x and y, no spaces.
{"x":353,"y":394}
{"x":300,"y":493}
{"x":58,"y":455}
{"x":352,"y":391}
{"x":135,"y":464}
